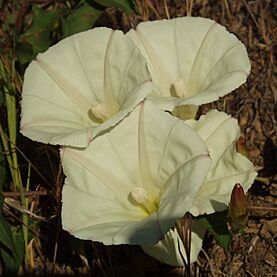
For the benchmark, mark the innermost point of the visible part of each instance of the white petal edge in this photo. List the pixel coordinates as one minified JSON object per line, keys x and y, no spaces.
{"x":105,"y":172}
{"x":61,"y":85}
{"x":211,"y":61}
{"x":220,"y":132}
{"x":170,"y":250}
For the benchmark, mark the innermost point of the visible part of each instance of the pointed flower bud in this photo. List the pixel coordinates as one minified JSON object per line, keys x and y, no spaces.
{"x":241,"y":147}
{"x":238,"y":208}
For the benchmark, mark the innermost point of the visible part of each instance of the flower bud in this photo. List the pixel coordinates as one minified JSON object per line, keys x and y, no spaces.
{"x":241,"y":147}
{"x":238,"y":208}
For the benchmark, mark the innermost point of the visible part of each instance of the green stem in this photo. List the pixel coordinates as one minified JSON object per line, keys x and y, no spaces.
{"x":6,"y":147}
{"x":25,"y":216}
{"x":10,"y":144}
{"x":263,"y":180}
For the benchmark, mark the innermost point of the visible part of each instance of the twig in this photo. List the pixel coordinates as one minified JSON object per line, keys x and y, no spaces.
{"x":209,"y":261}
{"x":16,"y":205}
{"x":151,"y":6}
{"x":166,"y":10}
{"x":185,"y":233}
{"x":16,"y":194}
{"x":250,"y":13}
{"x":25,"y":157}
{"x":189,"y":5}
{"x":253,"y":243}
{"x":10,"y":213}
{"x":227,"y":8}
{"x":262,"y":208}
{"x":264,"y":180}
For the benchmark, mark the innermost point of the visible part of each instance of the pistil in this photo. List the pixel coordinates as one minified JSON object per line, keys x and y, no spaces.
{"x":180,"y":88}
{"x":140,"y":196}
{"x":98,"y":112}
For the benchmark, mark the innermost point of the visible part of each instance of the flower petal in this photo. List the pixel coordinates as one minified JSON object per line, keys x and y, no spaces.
{"x":220,"y":132}
{"x":102,"y":177}
{"x":98,"y":71}
{"x":194,"y":60}
{"x":170,"y":249}
{"x":181,"y":190}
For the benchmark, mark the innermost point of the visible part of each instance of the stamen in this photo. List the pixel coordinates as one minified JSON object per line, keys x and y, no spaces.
{"x":140,"y":196}
{"x":180,"y":88}
{"x":98,"y":112}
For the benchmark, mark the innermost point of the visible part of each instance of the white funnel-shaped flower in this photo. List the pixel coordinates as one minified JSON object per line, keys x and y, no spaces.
{"x":192,"y":61}
{"x":170,"y":250}
{"x":220,"y":133}
{"x":82,"y":86}
{"x":131,"y":184}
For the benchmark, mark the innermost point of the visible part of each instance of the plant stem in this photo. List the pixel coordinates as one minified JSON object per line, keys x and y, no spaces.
{"x":8,"y":71}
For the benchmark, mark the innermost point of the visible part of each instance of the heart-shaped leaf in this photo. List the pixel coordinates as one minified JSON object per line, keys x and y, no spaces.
{"x":38,"y":35}
{"x":81,"y":19}
{"x":128,"y":6}
{"x":216,"y":224}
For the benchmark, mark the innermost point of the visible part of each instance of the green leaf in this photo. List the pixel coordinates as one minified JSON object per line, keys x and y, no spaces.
{"x":2,"y":97}
{"x":24,"y":52}
{"x":128,"y":6}
{"x":216,"y":224}
{"x":3,"y":170}
{"x":80,"y":19}
{"x":2,"y":84}
{"x":6,"y":239}
{"x":6,"y":234}
{"x":13,"y":261}
{"x":38,"y":35}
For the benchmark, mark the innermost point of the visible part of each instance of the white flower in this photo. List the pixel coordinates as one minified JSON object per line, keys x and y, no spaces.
{"x":132,"y":183}
{"x":170,"y":249}
{"x":220,"y":133}
{"x":82,"y":86}
{"x":192,"y":61}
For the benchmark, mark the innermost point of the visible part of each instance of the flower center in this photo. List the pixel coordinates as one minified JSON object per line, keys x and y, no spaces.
{"x":98,"y":112}
{"x":141,"y":197}
{"x":180,"y":88}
